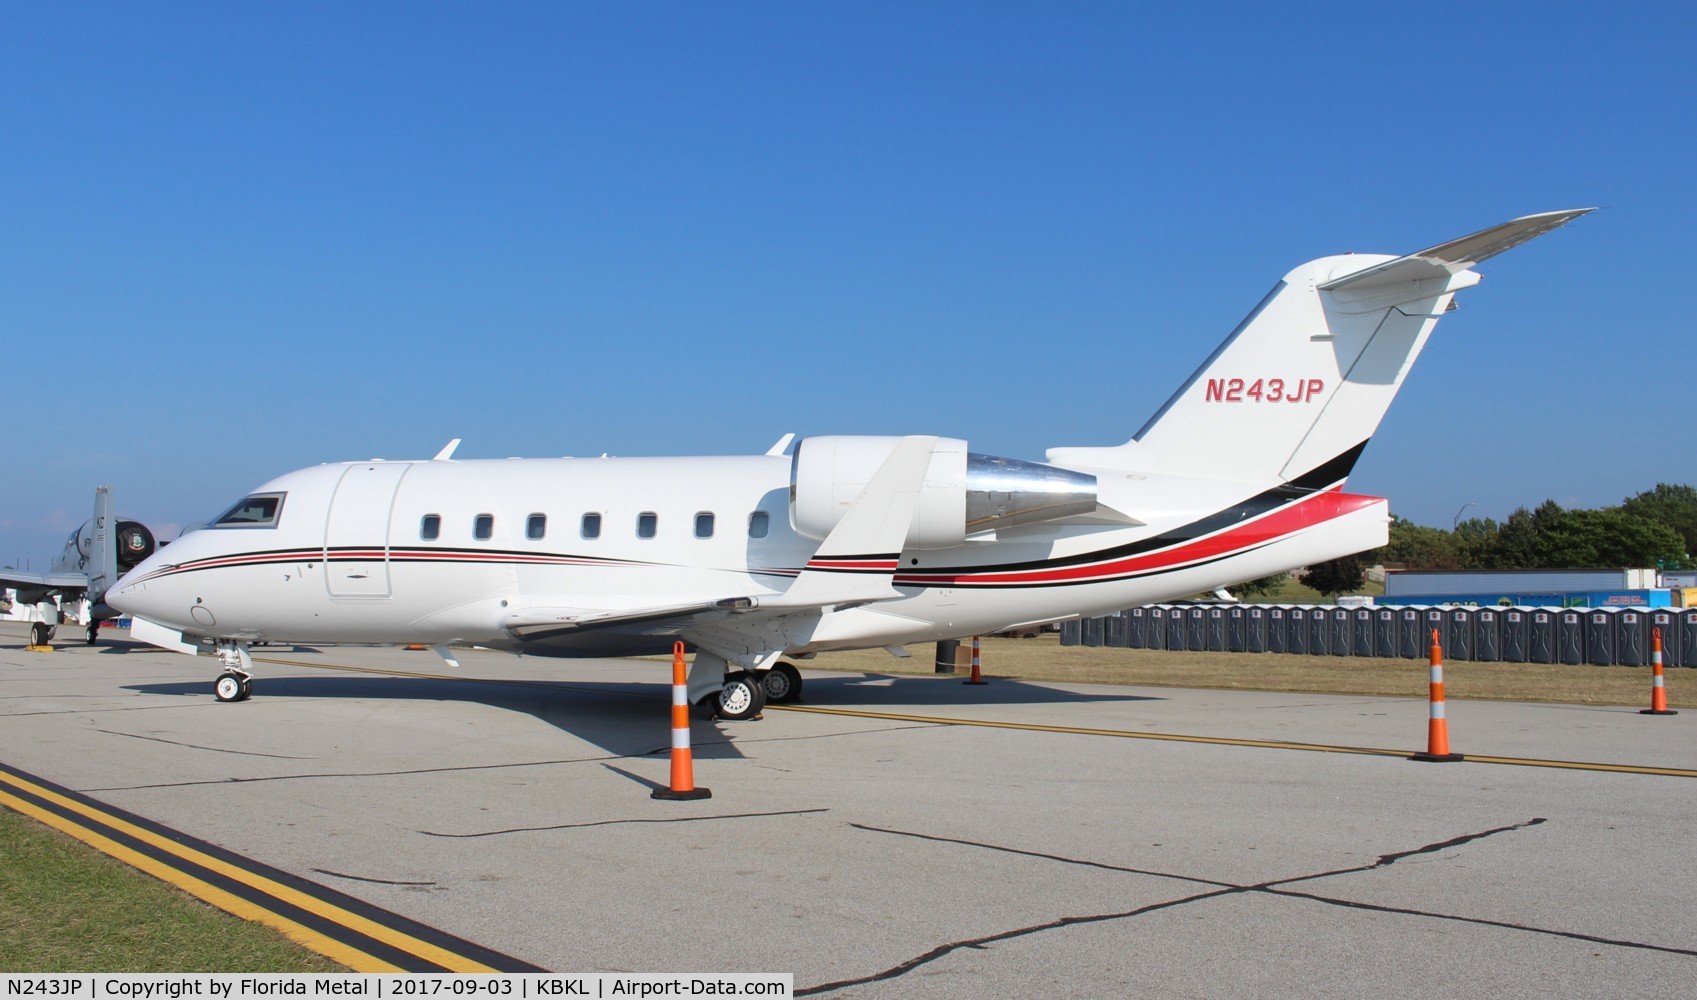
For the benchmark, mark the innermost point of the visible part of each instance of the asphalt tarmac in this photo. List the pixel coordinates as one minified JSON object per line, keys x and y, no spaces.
{"x":879,"y":850}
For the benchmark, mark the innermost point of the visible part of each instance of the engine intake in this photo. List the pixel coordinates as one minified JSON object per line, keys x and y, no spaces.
{"x":964,"y":493}
{"x":134,"y":541}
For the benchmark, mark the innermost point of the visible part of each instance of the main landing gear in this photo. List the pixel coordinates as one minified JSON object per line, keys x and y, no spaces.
{"x":236,"y":682}
{"x":742,"y":697}
{"x":41,"y":633}
{"x":783,"y":683}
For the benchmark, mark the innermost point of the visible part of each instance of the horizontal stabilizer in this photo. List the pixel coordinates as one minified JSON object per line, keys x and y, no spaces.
{"x":1450,"y":258}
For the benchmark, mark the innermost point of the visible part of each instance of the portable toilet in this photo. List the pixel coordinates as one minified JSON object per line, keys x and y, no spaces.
{"x":1600,"y":637}
{"x":1515,"y":630}
{"x":1216,"y":624}
{"x":1632,"y":638}
{"x":1255,"y":629}
{"x":1385,"y":622}
{"x":1319,"y":631}
{"x":1237,"y":629}
{"x":1137,"y":628}
{"x":1687,"y":637}
{"x":1115,"y":627}
{"x":1278,"y":630}
{"x":1300,"y":640}
{"x":1487,"y":635}
{"x":1667,"y":619}
{"x":1093,"y":629}
{"x":1197,"y":620}
{"x":1458,"y":637}
{"x":1071,"y":632}
{"x":1570,"y":636}
{"x":1365,"y":642}
{"x":1434,"y":622}
{"x":1542,"y":641}
{"x":1411,"y":638}
{"x":1178,"y":630}
{"x":1156,"y":635}
{"x":1343,"y":631}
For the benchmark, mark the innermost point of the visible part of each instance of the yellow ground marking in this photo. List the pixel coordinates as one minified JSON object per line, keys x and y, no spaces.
{"x":1573,"y":765}
{"x":319,"y":907}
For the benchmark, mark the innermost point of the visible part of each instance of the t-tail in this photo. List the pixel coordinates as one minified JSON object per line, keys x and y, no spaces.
{"x":1302,"y":383}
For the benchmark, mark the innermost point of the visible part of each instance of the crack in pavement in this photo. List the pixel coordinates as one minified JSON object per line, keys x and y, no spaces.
{"x":361,"y":878}
{"x":623,"y":822}
{"x":367,"y":774}
{"x":196,"y":746}
{"x":1271,"y":887}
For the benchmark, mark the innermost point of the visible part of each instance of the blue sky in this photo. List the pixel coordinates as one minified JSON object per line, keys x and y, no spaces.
{"x":242,"y":238}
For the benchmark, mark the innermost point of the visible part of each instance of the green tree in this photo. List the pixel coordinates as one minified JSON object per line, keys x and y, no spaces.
{"x":1600,"y":539}
{"x":1415,"y":546}
{"x":1336,"y":576}
{"x":1250,"y":589}
{"x":1674,"y":506}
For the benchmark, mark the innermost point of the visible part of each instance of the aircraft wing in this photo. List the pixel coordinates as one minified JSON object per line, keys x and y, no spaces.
{"x":60,"y":582}
{"x":562,"y":624}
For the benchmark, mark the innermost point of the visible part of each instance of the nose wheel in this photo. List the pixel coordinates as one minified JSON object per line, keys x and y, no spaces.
{"x":236,"y":682}
{"x":233,"y":687}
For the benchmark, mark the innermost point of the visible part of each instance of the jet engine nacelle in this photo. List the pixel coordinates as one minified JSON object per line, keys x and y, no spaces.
{"x":963,"y":494}
{"x":135,"y":543}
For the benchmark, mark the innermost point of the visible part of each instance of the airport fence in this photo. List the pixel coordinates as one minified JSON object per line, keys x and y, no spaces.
{"x":1599,"y":636}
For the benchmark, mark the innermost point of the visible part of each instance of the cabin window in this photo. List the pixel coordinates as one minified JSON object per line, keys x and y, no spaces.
{"x":591,"y":526}
{"x":758,"y":524}
{"x":258,"y":511}
{"x":537,"y":527}
{"x":430,"y":528}
{"x":646,"y":523}
{"x":483,"y":528}
{"x":704,"y":525}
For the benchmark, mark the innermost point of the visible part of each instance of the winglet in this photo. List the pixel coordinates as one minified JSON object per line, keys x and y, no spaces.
{"x":447,"y":451}
{"x":782,"y":445}
{"x":857,"y":560}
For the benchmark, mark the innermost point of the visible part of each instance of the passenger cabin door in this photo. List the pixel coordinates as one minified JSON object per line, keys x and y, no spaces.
{"x":356,"y":535}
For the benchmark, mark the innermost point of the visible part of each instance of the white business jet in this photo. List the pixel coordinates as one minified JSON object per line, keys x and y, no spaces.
{"x":846,"y":543}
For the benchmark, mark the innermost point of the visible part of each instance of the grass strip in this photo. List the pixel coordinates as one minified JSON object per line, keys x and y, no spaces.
{"x":65,"y":907}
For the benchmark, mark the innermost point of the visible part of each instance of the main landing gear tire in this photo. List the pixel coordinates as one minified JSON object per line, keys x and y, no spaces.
{"x":742,"y":697}
{"x":40,"y":633}
{"x":233,"y":687}
{"x":783,"y":684}
{"x":93,"y":632}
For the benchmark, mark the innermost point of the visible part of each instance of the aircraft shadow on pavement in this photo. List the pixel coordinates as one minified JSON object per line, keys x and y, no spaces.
{"x":632,"y":719}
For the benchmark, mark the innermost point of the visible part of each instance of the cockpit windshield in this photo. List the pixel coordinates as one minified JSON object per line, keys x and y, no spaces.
{"x":258,"y":511}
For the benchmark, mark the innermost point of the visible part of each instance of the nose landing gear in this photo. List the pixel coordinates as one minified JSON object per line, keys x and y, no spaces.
{"x":236,"y":682}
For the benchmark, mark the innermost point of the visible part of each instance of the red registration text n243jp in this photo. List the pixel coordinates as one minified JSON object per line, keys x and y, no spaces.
{"x":1263,"y":390}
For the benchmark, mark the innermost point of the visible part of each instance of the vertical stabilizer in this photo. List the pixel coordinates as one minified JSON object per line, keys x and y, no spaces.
{"x":103,"y":553}
{"x":1304,"y":381}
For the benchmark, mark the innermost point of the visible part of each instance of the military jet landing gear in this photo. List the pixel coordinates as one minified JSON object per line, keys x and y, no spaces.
{"x":783,"y":683}
{"x":41,"y":633}
{"x":236,"y":682}
{"x":93,"y":631}
{"x":742,"y":697}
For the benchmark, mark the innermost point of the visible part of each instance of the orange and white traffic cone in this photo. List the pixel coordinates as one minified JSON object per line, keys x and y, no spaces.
{"x":683,"y":762}
{"x":1658,"y":693}
{"x":1437,"y":729}
{"x":977,"y":678}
